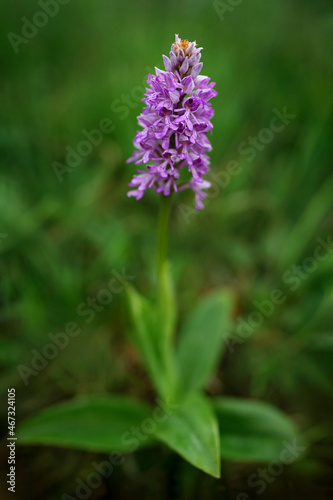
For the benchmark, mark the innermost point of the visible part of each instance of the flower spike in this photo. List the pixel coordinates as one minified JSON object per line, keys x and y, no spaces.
{"x":175,"y":121}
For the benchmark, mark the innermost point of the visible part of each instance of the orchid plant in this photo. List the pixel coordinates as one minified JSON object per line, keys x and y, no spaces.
{"x":172,"y":151}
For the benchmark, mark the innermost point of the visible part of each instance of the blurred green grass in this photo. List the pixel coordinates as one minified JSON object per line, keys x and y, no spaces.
{"x":64,"y":239}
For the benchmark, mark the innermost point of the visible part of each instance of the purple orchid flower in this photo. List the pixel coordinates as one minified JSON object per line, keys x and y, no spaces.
{"x":175,"y":121}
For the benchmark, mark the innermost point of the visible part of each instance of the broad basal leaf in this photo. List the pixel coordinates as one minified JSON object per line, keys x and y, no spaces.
{"x":192,"y":431}
{"x":96,"y":423}
{"x":152,"y":331}
{"x":143,"y":334}
{"x":255,"y":431}
{"x":202,"y":340}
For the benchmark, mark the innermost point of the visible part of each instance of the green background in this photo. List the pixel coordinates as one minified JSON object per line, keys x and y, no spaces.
{"x":61,"y":241}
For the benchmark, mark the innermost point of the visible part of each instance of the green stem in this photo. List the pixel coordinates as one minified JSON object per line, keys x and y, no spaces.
{"x":162,"y":235}
{"x":163,"y":300}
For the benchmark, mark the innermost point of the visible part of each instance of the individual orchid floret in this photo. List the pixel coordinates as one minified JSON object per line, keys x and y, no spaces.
{"x":175,"y":120}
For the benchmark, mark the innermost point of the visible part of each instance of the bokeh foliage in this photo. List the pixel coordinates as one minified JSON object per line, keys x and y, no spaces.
{"x":64,"y":239}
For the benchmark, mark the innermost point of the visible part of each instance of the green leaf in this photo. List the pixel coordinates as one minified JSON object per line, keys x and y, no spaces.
{"x":253,"y":430}
{"x":152,"y":331}
{"x":192,"y":431}
{"x":202,"y":340}
{"x":96,"y":423}
{"x":143,"y":335}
